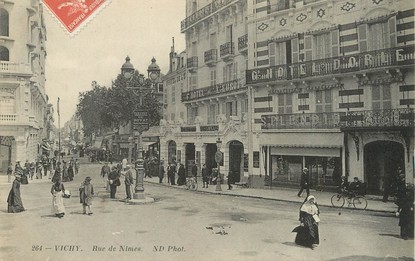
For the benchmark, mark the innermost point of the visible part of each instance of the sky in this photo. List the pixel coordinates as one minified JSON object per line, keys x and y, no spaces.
{"x":140,"y":29}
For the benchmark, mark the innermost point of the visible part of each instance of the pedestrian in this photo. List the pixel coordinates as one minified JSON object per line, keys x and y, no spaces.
{"x":390,"y":184}
{"x":181,"y":180}
{"x":57,"y":192}
{"x":9,"y":172}
{"x":105,"y":170}
{"x":230,"y":179}
{"x":194,"y":170}
{"x":38,"y":170}
{"x":65,"y":176}
{"x":406,"y":213}
{"x":114,"y":181}
{"x":57,"y":174}
{"x":124,"y":163}
{"x":76,"y":166}
{"x":86,"y":194}
{"x":205,"y":176}
{"x":129,"y":180}
{"x":304,"y":183}
{"x":32,"y":170}
{"x":71,"y":170}
{"x":45,"y":165}
{"x":161,"y":172}
{"x":14,"y":201}
{"x":307,"y":231}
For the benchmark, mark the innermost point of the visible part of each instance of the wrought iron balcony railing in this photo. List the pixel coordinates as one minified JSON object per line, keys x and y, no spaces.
{"x":378,"y":118}
{"x":192,"y":62}
{"x":211,"y":56}
{"x":204,"y":12}
{"x":398,"y":56}
{"x":226,"y":49}
{"x":216,"y":89}
{"x":325,"y":120}
{"x":243,"y":42}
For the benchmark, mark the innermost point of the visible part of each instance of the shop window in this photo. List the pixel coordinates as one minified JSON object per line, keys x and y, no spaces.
{"x":286,"y":168}
{"x":324,"y":171}
{"x":4,"y":22}
{"x":4,"y":54}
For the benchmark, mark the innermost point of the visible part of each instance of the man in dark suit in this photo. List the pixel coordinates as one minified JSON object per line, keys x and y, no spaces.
{"x":304,"y":183}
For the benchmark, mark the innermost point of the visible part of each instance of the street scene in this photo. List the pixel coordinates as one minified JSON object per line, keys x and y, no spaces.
{"x":188,"y":225}
{"x":207,"y":130}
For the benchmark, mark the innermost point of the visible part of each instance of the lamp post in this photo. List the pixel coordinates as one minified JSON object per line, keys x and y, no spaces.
{"x":141,"y":116}
{"x":218,"y":159}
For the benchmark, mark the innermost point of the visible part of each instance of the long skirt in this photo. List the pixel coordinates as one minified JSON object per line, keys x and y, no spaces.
{"x":307,"y":235}
{"x":57,"y":203}
{"x":14,"y":201}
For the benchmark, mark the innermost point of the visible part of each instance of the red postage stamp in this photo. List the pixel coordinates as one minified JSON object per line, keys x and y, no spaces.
{"x":74,"y":13}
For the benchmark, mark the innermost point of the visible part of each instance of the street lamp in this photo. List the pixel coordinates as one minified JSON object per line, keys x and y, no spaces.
{"x":127,"y":71}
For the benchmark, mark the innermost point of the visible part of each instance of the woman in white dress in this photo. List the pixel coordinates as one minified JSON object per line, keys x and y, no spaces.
{"x":57,"y":191}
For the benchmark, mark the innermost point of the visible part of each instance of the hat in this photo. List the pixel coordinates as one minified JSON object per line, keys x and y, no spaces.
{"x":88,"y":178}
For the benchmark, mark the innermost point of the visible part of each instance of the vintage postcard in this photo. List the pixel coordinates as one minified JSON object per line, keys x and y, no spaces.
{"x":207,"y":130}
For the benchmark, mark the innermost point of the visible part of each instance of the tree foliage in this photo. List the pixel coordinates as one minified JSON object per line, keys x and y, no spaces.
{"x":104,"y":107}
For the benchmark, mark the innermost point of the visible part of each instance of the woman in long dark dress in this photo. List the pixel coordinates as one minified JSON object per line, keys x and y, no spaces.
{"x":14,"y":201}
{"x":182,"y":175}
{"x":406,"y":213}
{"x":307,"y":232}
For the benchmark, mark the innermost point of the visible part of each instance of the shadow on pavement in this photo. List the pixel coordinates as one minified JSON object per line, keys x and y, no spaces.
{"x":390,"y":235}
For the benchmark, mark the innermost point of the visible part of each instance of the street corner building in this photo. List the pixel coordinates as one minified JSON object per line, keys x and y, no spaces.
{"x":25,"y":115}
{"x":280,"y":85}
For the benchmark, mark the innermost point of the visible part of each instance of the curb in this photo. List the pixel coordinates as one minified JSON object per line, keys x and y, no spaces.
{"x":267,"y":198}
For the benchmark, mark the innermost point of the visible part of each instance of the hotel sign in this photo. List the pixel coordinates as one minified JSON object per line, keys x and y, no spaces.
{"x":404,"y":55}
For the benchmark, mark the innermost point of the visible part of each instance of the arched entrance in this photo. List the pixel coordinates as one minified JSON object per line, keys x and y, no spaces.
{"x":382,"y":159}
{"x":171,"y":152}
{"x":236,"y":153}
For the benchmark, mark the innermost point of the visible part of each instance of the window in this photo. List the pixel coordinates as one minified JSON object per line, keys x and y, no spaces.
{"x":194,"y":48}
{"x":230,"y":72}
{"x":4,"y":54}
{"x":381,"y":97}
{"x":4,"y":22}
{"x":285,"y":103}
{"x":212,"y":112}
{"x":231,"y":109}
{"x":213,"y":77}
{"x":277,"y":53}
{"x":322,"y":45}
{"x":229,"y":33}
{"x":278,"y":5}
{"x":323,"y":101}
{"x":213,"y":41}
{"x":376,"y":36}
{"x":192,"y":112}
{"x":173,"y":94}
{"x":165,"y":96}
{"x":192,"y":82}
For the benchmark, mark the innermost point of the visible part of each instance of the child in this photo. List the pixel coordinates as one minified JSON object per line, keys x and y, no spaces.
{"x":86,"y":193}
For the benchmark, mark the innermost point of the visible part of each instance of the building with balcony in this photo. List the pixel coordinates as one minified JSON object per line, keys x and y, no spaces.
{"x":23,"y":102}
{"x":333,"y":90}
{"x":214,"y":95}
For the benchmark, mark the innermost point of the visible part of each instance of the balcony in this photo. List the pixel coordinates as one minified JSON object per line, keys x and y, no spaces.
{"x":211,"y":57}
{"x":372,"y":60}
{"x":192,"y":63}
{"x":227,"y":50}
{"x":327,"y":120}
{"x":217,"y":89}
{"x":374,"y":119}
{"x":204,"y":12}
{"x":243,"y":44}
{"x":14,"y":68}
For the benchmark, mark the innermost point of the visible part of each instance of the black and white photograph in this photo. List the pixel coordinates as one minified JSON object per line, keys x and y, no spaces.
{"x":246,"y":130}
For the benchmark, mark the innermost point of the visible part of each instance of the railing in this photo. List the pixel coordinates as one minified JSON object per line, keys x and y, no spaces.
{"x":216,"y":89}
{"x":243,"y":42}
{"x":211,"y":56}
{"x":6,"y":118}
{"x":226,"y":49}
{"x":397,"y":56}
{"x":11,"y":67}
{"x":192,"y":62}
{"x":204,"y":12}
{"x":378,"y":118}
{"x":325,"y":120}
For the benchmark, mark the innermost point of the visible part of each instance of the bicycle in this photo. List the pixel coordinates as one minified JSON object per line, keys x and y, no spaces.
{"x":358,"y":201}
{"x":191,"y":183}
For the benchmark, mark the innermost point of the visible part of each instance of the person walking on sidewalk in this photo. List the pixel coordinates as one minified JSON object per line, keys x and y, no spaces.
{"x":205,"y":176}
{"x":129,"y":180}
{"x":304,"y":183}
{"x":14,"y":201}
{"x":105,"y":171}
{"x":161,"y":172}
{"x":86,"y":193}
{"x":57,"y":191}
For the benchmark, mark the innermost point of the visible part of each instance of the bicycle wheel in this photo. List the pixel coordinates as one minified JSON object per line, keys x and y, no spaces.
{"x":193,"y":186}
{"x":359,"y":202}
{"x":337,"y":200}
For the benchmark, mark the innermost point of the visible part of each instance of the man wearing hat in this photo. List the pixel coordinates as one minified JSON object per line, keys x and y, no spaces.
{"x":87,"y":192}
{"x":304,"y":183}
{"x":129,"y":180}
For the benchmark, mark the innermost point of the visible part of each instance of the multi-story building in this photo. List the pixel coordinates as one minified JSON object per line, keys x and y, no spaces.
{"x":215,"y":95}
{"x":333,"y":89}
{"x":23,"y":101}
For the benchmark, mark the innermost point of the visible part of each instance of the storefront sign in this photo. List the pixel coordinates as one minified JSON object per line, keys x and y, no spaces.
{"x":302,"y":121}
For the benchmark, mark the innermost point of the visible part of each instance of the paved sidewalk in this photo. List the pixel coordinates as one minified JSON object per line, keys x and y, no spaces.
{"x":374,"y":203}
